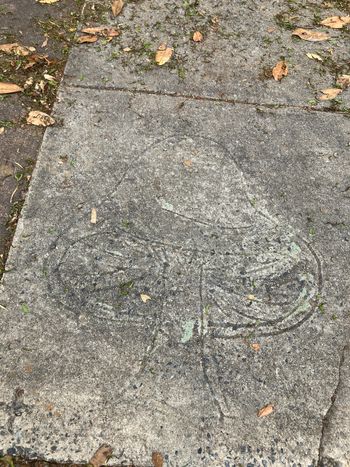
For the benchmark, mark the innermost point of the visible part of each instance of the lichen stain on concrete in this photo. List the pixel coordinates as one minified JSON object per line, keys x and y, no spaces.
{"x":187,"y":331}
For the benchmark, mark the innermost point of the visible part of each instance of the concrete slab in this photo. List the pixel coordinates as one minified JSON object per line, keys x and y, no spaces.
{"x":233,"y":219}
{"x":242,"y":42}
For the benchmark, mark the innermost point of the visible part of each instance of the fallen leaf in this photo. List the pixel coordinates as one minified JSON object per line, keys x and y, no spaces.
{"x":48,"y":2}
{"x":280,"y":70}
{"x":35,"y":117}
{"x":255,"y":347}
{"x":329,"y":94}
{"x":117,"y":6}
{"x":9,"y":88}
{"x":271,"y":29}
{"x":251,"y":297}
{"x":16,"y":49}
{"x":157,"y":459}
{"x":197,"y":36}
{"x":93,"y":218}
{"x":336,"y":22}
{"x":44,"y":44}
{"x":29,"y":82}
{"x":101,"y":30}
{"x":163,"y":54}
{"x":187,"y":163}
{"x":85,"y":39}
{"x":309,"y":35}
{"x":127,"y":49}
{"x":49,"y":77}
{"x":266,"y":410}
{"x":145,"y":297}
{"x":2,"y":130}
{"x":101,"y":455}
{"x":344,"y":81}
{"x":314,"y":57}
{"x":37,"y":58}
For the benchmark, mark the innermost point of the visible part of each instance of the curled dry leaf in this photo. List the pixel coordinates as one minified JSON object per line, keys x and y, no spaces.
{"x":280,"y":70}
{"x":35,"y":117}
{"x":93,"y":218}
{"x":101,"y":30}
{"x":117,"y":6}
{"x":313,"y":56}
{"x":329,"y":94}
{"x":16,"y":49}
{"x":145,"y":297}
{"x":163,"y":54}
{"x":336,"y":22}
{"x":157,"y":459}
{"x":9,"y":88}
{"x":344,"y":81}
{"x":197,"y":36}
{"x":86,"y":39}
{"x":101,"y":455}
{"x":266,"y":410}
{"x":309,"y":35}
{"x":256,"y":347}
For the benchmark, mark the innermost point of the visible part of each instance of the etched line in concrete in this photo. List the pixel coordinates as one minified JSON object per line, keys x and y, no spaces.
{"x":207,"y":98}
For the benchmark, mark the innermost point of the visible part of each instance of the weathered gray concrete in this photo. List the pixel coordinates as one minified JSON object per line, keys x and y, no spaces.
{"x":233,"y":219}
{"x":242,"y":41}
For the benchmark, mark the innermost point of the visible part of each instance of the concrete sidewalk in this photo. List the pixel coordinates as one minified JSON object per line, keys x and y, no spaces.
{"x":214,"y":280}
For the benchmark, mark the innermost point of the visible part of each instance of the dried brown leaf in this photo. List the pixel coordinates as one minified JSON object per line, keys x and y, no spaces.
{"x":266,"y":410}
{"x":187,"y":163}
{"x":35,"y":117}
{"x":86,"y":39}
{"x":280,"y":70}
{"x":344,"y":81}
{"x":163,"y":55}
{"x":197,"y":36}
{"x":117,"y":6}
{"x":336,"y":22}
{"x":2,"y":131}
{"x":309,"y":35}
{"x":101,"y":30}
{"x":9,"y":88}
{"x":329,"y":94}
{"x":145,"y":297}
{"x":157,"y":459}
{"x":16,"y":49}
{"x":37,"y":58}
{"x":314,"y":56}
{"x":255,"y":346}
{"x":101,"y":455}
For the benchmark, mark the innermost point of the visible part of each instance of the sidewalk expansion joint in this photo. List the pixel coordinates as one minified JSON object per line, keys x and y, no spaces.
{"x":328,"y":415}
{"x":205,"y":98}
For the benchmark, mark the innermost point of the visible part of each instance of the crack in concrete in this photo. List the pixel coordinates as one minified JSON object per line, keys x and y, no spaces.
{"x":205,"y":98}
{"x":328,"y":414}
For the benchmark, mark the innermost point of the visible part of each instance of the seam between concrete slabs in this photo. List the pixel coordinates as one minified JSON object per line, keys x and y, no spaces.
{"x":204,"y":98}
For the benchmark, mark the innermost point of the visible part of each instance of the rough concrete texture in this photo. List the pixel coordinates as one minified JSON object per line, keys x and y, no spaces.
{"x":233,"y":220}
{"x":242,"y":41}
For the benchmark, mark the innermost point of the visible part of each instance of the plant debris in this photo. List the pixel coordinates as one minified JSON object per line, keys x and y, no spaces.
{"x":93,"y":218}
{"x":280,"y":70}
{"x":9,"y":88}
{"x":197,"y":36}
{"x":145,"y":297}
{"x":329,"y":94}
{"x":309,"y":35}
{"x":266,"y":410}
{"x":86,"y":39}
{"x":117,"y":6}
{"x":336,"y":22}
{"x":16,"y":49}
{"x":101,"y":455}
{"x":163,"y":54}
{"x":35,"y":117}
